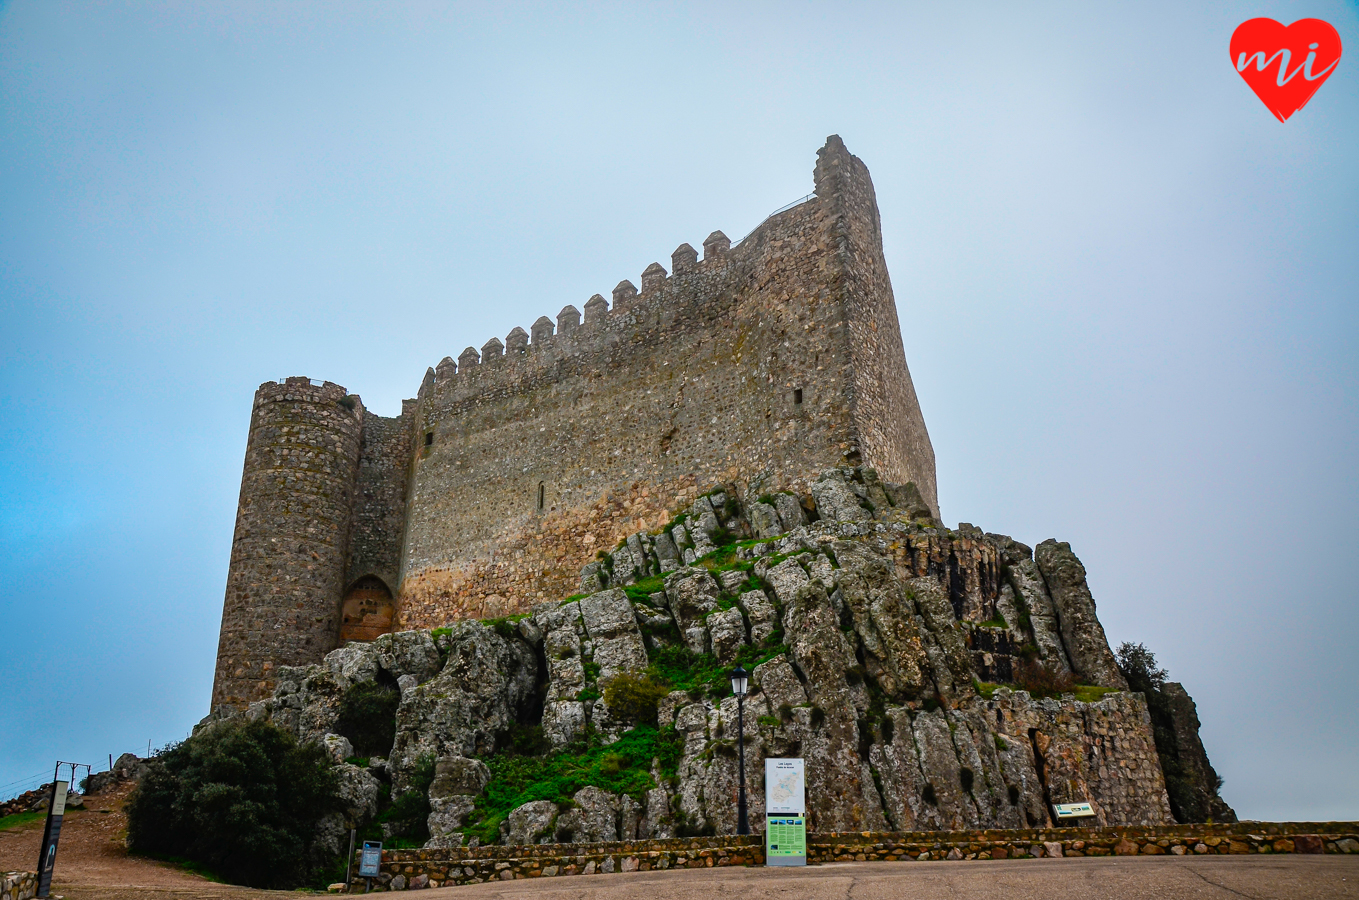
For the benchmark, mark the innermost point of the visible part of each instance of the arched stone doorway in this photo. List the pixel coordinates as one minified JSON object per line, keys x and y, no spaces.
{"x":368,"y":610}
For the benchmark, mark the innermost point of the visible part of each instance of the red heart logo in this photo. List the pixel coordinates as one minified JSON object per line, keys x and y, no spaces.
{"x":1285,"y":66}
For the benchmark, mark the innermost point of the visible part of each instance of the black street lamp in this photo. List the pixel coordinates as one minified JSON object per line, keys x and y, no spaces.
{"x":738,"y":687}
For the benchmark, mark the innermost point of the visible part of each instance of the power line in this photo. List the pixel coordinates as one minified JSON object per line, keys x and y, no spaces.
{"x":27,"y":780}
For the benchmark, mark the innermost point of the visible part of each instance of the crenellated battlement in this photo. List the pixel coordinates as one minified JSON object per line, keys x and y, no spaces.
{"x":299,"y":387}
{"x":602,"y":325}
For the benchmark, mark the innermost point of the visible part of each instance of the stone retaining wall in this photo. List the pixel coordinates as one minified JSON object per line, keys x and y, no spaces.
{"x":405,"y":869}
{"x":413,"y":869}
{"x":18,"y":885}
{"x":1177,"y":840}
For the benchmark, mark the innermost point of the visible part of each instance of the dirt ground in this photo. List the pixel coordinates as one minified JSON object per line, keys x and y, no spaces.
{"x":92,"y":860}
{"x":93,"y":864}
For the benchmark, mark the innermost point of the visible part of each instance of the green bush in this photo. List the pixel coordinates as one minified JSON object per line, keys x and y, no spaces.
{"x":368,"y":717}
{"x":242,"y":800}
{"x":634,"y":698}
{"x":1138,"y":665}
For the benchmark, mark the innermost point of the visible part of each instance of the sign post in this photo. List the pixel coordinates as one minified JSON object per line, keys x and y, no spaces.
{"x":47,"y":856}
{"x":785,"y":813}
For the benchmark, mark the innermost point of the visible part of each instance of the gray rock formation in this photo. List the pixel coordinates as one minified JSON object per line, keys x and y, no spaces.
{"x":532,"y":823}
{"x":883,"y":649}
{"x":1082,"y":634}
{"x":592,"y":819}
{"x":452,"y":796}
{"x":485,"y":682}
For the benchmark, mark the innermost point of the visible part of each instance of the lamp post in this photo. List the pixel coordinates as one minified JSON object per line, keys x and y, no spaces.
{"x":738,"y":687}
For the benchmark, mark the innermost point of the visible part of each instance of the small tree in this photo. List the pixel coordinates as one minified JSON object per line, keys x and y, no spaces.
{"x":634,"y":698}
{"x":244,"y":800}
{"x":1138,"y":665}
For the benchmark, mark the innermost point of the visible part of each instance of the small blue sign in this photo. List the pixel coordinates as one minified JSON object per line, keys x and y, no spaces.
{"x":370,"y":859}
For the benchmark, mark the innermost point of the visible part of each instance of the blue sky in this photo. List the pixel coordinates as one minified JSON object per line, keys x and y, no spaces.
{"x":1127,"y":295}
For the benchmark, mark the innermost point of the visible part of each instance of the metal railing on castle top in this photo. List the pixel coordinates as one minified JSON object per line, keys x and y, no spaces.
{"x":787,"y":206}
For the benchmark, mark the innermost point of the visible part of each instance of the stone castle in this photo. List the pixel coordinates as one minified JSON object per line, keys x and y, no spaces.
{"x":726,"y":466}
{"x":757,"y":366}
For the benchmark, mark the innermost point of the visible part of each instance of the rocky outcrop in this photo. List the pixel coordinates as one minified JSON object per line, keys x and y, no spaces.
{"x":887,"y":651}
{"x":1082,"y":634}
{"x":487,"y":682}
{"x":531,"y":823}
{"x":1194,"y":794}
{"x":452,"y":796}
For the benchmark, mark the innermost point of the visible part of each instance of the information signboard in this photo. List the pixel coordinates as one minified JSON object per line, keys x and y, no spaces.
{"x":1073,"y":810}
{"x":785,"y":841}
{"x":370,"y":860}
{"x":47,"y":857}
{"x":785,"y":804}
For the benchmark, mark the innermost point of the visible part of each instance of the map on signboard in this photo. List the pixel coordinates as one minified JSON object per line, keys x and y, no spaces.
{"x":786,"y":788}
{"x":785,"y":784}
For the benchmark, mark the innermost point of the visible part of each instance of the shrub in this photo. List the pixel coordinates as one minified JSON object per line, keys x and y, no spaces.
{"x":634,"y":698}
{"x":1138,"y":665}
{"x":242,"y":800}
{"x":505,"y":626}
{"x":966,"y":777}
{"x":929,"y":796}
{"x":368,"y":717}
{"x":1040,"y":681}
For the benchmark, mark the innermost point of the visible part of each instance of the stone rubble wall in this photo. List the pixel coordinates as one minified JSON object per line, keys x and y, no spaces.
{"x":380,"y":499}
{"x":415,"y":869}
{"x":28,"y":801}
{"x":18,"y":885}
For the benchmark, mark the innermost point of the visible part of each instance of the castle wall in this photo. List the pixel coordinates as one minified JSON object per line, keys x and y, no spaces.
{"x":622,"y":420}
{"x":887,"y":417}
{"x":380,"y":498}
{"x":292,"y":525}
{"x":756,"y":366}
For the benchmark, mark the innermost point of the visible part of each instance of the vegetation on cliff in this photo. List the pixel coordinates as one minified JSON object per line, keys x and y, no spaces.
{"x":621,"y":767}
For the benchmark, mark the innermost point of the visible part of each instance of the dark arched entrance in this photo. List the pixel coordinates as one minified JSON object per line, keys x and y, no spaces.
{"x":368,"y":610}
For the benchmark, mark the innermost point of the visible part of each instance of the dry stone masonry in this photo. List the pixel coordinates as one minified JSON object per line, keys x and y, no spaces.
{"x":416,"y":869}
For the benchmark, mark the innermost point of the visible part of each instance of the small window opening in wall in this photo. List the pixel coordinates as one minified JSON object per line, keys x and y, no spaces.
{"x":429,"y":438}
{"x":541,"y":495}
{"x":797,"y":396}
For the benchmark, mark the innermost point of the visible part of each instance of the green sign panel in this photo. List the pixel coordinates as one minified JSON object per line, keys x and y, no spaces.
{"x":785,"y":840}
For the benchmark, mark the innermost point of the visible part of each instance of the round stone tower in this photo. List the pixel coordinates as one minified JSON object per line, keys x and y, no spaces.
{"x":292,"y":530}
